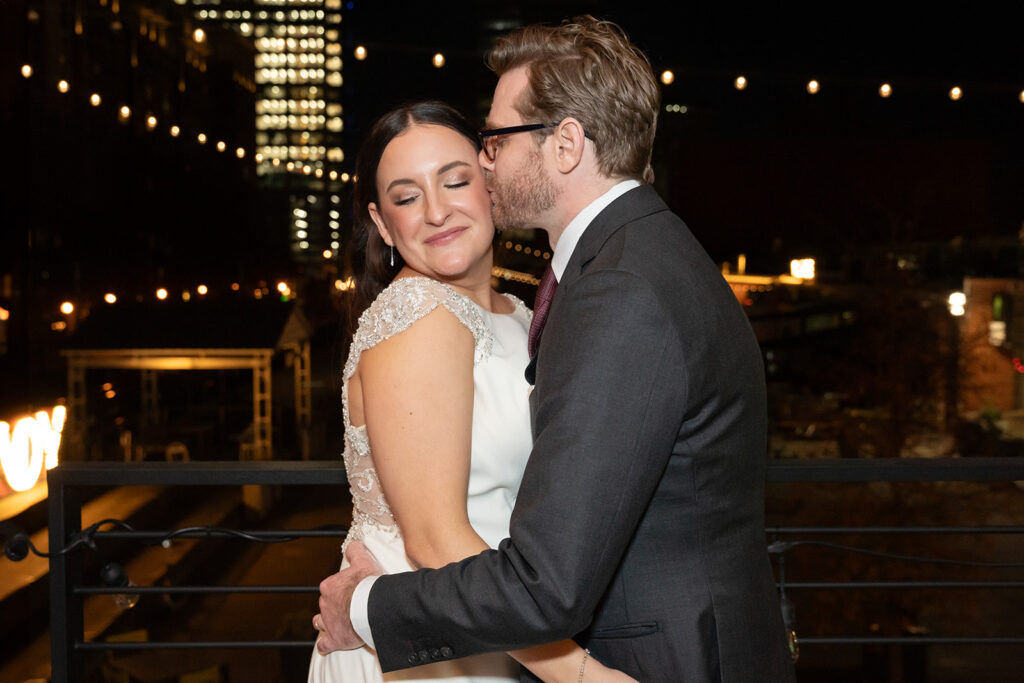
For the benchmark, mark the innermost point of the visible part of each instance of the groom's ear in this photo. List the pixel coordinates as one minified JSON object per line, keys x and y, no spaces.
{"x":378,"y":220}
{"x":569,"y":143}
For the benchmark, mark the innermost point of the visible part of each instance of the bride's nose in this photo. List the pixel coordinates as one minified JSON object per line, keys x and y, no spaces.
{"x":438,"y":208}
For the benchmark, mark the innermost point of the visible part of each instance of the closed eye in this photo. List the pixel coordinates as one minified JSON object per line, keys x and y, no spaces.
{"x":454,"y":186}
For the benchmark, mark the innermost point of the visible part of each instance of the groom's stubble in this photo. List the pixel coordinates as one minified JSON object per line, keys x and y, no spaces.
{"x":518,"y":200}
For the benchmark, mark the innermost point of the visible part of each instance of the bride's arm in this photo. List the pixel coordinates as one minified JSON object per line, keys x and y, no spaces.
{"x":417,"y":399}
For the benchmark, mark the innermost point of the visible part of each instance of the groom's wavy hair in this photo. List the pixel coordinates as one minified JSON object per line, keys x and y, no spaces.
{"x":369,"y":256}
{"x":587,"y":69}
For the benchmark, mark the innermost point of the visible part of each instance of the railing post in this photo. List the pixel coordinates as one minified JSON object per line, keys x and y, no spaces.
{"x":66,"y":617}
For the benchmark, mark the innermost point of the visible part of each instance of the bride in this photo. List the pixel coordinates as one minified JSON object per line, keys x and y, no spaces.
{"x":435,"y":404}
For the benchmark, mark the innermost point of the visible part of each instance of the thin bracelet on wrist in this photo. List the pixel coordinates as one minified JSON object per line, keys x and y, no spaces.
{"x":583,"y":664}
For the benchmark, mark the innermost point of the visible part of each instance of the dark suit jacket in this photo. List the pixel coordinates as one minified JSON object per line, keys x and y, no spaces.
{"x":639,"y":526}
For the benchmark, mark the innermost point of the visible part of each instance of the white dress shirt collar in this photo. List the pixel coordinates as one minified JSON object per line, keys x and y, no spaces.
{"x":572,"y":233}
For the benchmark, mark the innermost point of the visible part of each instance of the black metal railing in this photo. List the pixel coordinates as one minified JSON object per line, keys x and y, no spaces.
{"x":68,"y":482}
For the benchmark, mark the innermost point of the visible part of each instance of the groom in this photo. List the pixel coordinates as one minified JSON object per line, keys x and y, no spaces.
{"x":639,"y":526}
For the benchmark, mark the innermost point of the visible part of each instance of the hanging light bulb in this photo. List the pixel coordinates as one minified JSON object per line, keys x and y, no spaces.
{"x":26,"y":70}
{"x":885,"y":90}
{"x":813,"y":87}
{"x":95,"y":99}
{"x":175,"y":131}
{"x":667,"y":77}
{"x":201,"y":138}
{"x":438,"y":60}
{"x":62,"y":85}
{"x":124,"y":112}
{"x":151,"y":122}
{"x":955,"y":93}
{"x":740,"y":83}
{"x":360,"y":53}
{"x":221,"y":146}
{"x":240,"y":152}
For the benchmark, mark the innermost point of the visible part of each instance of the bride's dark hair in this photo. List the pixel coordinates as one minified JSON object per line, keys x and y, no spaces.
{"x":370,"y":256}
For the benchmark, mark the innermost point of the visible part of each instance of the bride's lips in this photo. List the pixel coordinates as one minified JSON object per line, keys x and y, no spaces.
{"x":446,"y":236}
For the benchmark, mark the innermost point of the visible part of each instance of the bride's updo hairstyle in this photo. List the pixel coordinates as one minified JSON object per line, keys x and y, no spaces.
{"x":370,"y":255}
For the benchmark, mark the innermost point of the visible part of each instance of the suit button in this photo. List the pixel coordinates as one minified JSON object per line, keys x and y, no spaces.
{"x":424,"y":656}
{"x":446,"y":652}
{"x":414,"y":659}
{"x":435,"y":654}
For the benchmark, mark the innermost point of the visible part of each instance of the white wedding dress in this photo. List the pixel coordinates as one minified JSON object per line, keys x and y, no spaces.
{"x":501,"y":443}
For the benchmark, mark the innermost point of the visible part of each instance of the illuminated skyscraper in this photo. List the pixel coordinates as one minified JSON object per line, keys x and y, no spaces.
{"x":298,"y":108}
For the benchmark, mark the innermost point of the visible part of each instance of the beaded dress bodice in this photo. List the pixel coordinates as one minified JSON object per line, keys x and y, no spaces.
{"x":401,"y":304}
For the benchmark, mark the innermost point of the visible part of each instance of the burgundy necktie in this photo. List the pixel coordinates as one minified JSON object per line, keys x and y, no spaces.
{"x":545,"y":293}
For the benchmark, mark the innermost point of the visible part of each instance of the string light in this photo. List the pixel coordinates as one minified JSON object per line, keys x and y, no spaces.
{"x":740,"y":83}
{"x":161,"y":294}
{"x":199,"y":35}
{"x":67,"y":308}
{"x":360,"y":53}
{"x":955,"y":93}
{"x":1021,"y":96}
{"x":110,"y":298}
{"x":151,"y":122}
{"x":885,"y":90}
{"x":667,"y":77}
{"x":813,"y":87}
{"x":201,"y":138}
{"x":240,"y":152}
{"x":175,"y":131}
{"x":202,"y":290}
{"x":62,"y":85}
{"x":439,"y":60}
{"x":95,"y":99}
{"x":221,"y":146}
{"x":26,"y":70}
{"x":124,"y":112}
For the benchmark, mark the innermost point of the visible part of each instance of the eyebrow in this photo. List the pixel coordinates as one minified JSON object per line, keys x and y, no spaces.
{"x":444,"y":169}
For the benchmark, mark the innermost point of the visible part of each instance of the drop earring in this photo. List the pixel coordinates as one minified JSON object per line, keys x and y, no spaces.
{"x":392,"y":256}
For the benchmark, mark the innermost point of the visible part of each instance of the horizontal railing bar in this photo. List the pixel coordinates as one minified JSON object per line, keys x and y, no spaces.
{"x":904,"y":584}
{"x":913,"y":640}
{"x":141,"y":590}
{"x":340,"y":532}
{"x":896,"y":530}
{"x":290,"y":472}
{"x":217,"y":473}
{"x":194,"y":644}
{"x":896,"y":469}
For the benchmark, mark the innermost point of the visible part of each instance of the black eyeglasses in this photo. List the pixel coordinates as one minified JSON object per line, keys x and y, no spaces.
{"x":489,"y":138}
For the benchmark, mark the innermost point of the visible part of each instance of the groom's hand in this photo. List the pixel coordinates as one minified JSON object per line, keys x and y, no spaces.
{"x":333,"y":622}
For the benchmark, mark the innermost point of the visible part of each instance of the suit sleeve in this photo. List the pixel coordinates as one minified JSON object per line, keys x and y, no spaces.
{"x":608,"y":413}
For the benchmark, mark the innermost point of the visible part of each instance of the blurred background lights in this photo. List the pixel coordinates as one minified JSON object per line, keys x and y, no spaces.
{"x":151,"y":122}
{"x":199,"y":35}
{"x":885,"y":90}
{"x":62,"y":85}
{"x":175,"y":131}
{"x":740,"y":83}
{"x":110,"y":298}
{"x":161,"y":294}
{"x":955,"y":93}
{"x":360,"y":53}
{"x":201,"y":138}
{"x":802,"y":268}
{"x":240,"y":152}
{"x":124,"y":112}
{"x":438,"y":60}
{"x":221,"y":146}
{"x":95,"y":99}
{"x":26,"y":70}
{"x":667,"y":77}
{"x":813,"y":87}
{"x":202,"y":290}
{"x":67,"y":308}
{"x":957,"y":303}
